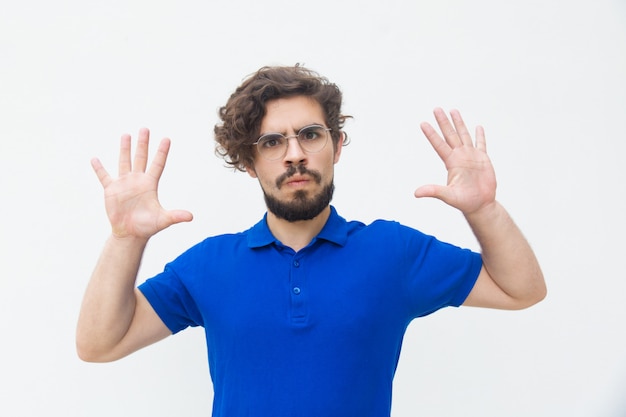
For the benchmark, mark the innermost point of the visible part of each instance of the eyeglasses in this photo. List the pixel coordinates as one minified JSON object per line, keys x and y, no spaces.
{"x":273,"y":146}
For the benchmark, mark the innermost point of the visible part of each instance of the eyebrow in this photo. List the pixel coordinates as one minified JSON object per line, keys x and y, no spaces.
{"x":284,"y":133}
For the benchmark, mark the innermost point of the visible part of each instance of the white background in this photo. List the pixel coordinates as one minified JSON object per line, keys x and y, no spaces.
{"x":546,"y":78}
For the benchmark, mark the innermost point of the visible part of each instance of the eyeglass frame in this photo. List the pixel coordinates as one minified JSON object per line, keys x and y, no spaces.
{"x":297,"y":137}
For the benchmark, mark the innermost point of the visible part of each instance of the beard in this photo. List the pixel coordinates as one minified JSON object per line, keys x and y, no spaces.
{"x":301,"y":206}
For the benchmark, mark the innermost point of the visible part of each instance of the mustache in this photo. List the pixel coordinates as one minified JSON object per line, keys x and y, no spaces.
{"x":300,"y":169}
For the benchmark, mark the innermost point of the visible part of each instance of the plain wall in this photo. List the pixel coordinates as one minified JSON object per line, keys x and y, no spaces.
{"x":546,"y":78}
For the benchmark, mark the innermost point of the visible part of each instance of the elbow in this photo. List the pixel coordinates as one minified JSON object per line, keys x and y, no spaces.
{"x":538,"y":293}
{"x":87,"y":354}
{"x":541,"y":290}
{"x":86,"y":357}
{"x":542,"y":294}
{"x":532,"y":292}
{"x":92,"y":356}
{"x":88,"y":351}
{"x":531,"y":301}
{"x":85,"y":346}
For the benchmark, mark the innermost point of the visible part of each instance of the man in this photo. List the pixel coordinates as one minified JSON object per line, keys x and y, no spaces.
{"x":304,"y":313}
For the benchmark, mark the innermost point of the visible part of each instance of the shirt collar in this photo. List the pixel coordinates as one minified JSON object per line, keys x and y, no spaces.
{"x":335,"y":230}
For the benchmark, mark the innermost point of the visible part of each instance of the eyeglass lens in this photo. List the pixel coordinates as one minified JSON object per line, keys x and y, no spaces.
{"x":312,"y":139}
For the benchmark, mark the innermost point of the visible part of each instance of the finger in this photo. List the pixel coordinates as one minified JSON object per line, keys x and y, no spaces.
{"x":124,"y":158}
{"x":158,"y":164}
{"x":141,"y":154}
{"x":440,"y":192}
{"x":179,"y":216}
{"x":461,"y":129}
{"x":447,"y":129}
{"x":101,"y":173}
{"x":481,"y":142}
{"x":439,"y":145}
{"x":172,"y":217}
{"x":433,"y":191}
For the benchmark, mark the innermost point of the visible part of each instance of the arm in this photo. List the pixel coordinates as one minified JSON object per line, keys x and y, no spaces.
{"x":511,"y":277}
{"x":115,"y":318}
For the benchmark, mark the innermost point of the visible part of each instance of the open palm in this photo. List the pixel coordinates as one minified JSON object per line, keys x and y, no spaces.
{"x":471,"y":181}
{"x":131,"y":200}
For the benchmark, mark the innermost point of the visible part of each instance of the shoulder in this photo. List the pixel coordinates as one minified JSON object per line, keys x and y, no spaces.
{"x":382,"y":228}
{"x":395,"y":239}
{"x":212,"y":248}
{"x":224,"y":241}
{"x":387,"y":238}
{"x":378,"y":227}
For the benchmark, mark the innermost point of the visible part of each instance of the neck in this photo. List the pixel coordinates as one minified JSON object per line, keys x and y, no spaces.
{"x":298,"y":234}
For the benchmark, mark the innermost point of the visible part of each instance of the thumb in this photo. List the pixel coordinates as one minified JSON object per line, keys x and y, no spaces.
{"x":431,"y":190}
{"x":440,"y":192}
{"x":179,"y":216}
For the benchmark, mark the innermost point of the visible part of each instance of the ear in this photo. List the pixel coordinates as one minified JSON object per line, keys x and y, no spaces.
{"x":339,"y":146}
{"x":251,"y":171}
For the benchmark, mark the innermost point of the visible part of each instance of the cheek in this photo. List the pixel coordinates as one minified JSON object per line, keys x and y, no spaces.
{"x":332,"y":160}
{"x":267,"y":178}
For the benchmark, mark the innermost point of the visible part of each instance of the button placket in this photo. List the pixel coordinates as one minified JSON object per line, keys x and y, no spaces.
{"x":298,"y":306}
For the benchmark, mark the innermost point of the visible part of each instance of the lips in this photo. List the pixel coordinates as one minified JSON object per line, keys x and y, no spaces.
{"x":298,"y":175}
{"x":298,"y":179}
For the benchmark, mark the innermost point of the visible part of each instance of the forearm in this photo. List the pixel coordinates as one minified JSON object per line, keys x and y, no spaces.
{"x":507,"y":257}
{"x":109,"y":302}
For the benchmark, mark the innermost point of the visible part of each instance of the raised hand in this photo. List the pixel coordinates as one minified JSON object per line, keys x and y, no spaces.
{"x":131,"y":200}
{"x":471,"y":181}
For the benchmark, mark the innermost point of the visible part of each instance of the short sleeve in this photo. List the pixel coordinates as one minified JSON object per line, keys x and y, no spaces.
{"x":170,"y":299}
{"x":440,"y":274}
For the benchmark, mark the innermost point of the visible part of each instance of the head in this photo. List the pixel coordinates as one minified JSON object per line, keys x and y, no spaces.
{"x":244,"y":112}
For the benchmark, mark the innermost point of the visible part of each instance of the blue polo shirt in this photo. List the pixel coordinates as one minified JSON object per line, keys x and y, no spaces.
{"x":311,"y":333}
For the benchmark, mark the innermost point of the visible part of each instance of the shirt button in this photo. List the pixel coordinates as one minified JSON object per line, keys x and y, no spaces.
{"x":296,"y":264}
{"x":296,"y":290}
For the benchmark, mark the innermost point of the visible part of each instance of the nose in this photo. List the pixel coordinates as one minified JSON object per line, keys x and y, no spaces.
{"x":295,"y":154}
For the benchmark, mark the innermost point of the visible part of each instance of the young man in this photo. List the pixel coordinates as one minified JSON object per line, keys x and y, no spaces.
{"x":304,"y":312}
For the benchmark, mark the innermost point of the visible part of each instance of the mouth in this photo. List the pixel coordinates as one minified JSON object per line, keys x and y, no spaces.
{"x":298,"y":177}
{"x":297,"y":181}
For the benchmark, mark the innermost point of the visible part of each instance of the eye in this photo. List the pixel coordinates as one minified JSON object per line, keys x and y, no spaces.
{"x":270,"y":141}
{"x":311,"y":133}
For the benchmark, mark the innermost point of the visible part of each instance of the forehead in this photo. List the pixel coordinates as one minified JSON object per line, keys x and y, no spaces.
{"x":291,"y":114}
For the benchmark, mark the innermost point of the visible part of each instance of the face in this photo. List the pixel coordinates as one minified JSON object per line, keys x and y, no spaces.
{"x":298,"y":186}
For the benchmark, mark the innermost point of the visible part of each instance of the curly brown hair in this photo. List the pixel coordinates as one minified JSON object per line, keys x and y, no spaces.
{"x":244,"y":111}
